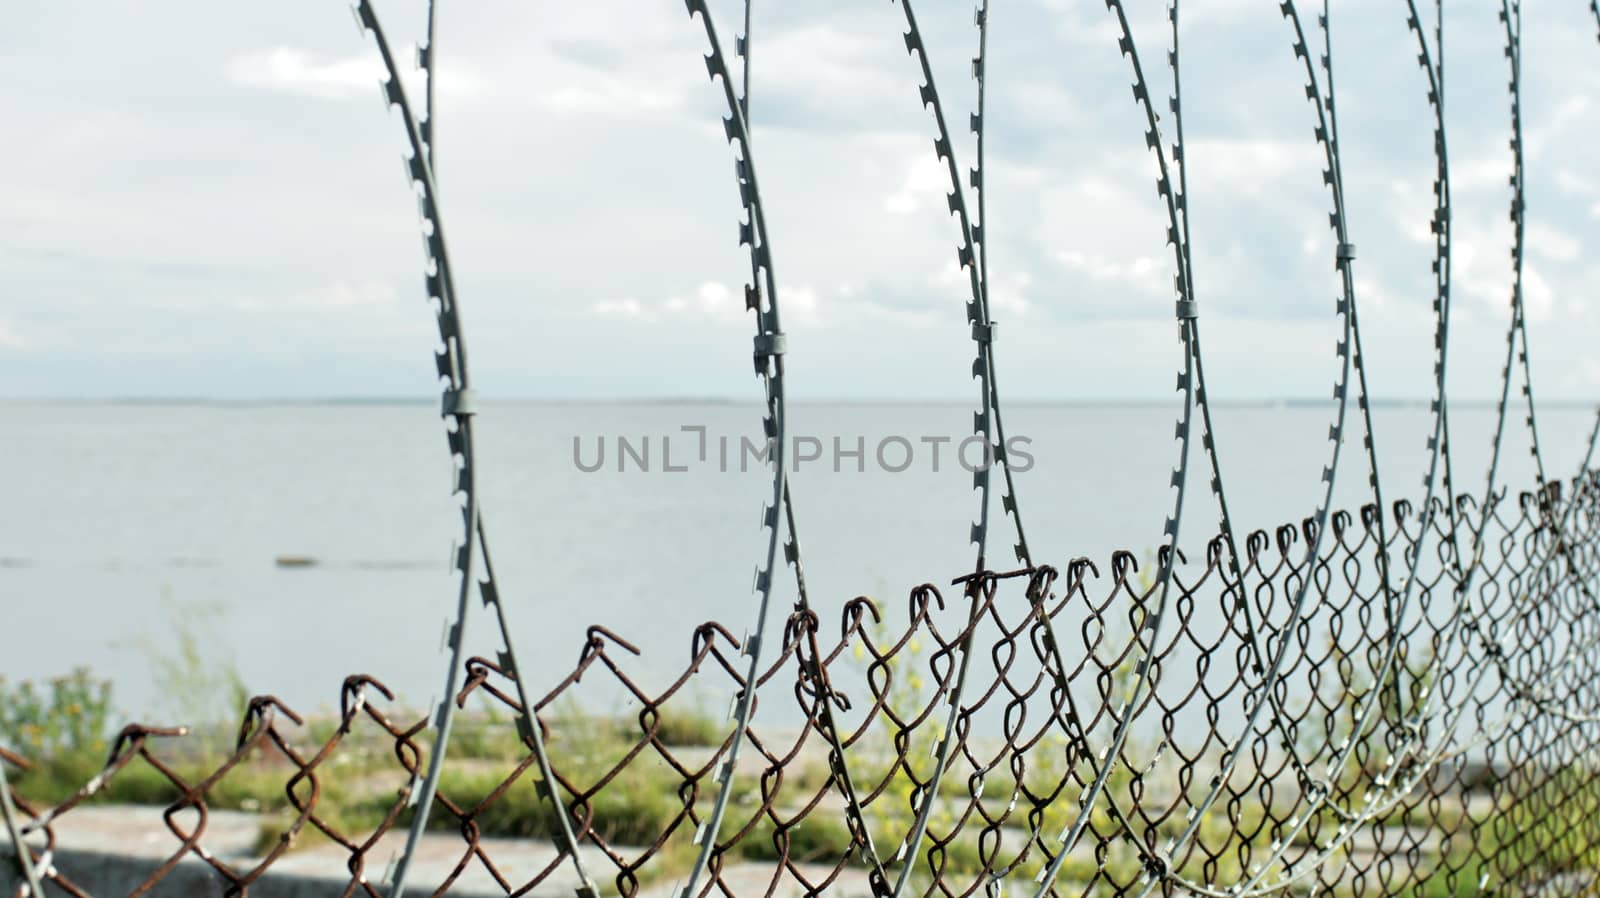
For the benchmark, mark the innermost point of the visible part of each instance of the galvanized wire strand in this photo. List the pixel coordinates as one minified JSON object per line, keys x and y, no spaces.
{"x":425,"y":60}
{"x":451,"y":363}
{"x":1040,"y":581}
{"x":814,"y":671}
{"x":1190,"y":318}
{"x":1169,"y":557}
{"x":1343,"y":259}
{"x":966,"y":256}
{"x":1521,"y":690}
{"x":1438,"y":443}
{"x":1440,"y":463}
{"x":811,"y":654}
{"x":458,"y":405}
{"x":768,"y":357}
{"x":982,"y":235}
{"x":1327,"y":108}
{"x":1160,"y":865}
{"x":1537,"y":576}
{"x":818,"y":677}
{"x":1394,"y":612}
{"x":24,"y":855}
{"x":1037,"y":588}
{"x":742,"y":48}
{"x":1511,"y":19}
{"x":1510,"y":16}
{"x":982,"y":368}
{"x":1514,"y":329}
{"x":793,"y":799}
{"x":528,"y":727}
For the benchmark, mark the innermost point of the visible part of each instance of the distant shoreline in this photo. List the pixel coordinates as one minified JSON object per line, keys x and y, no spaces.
{"x":429,"y":401}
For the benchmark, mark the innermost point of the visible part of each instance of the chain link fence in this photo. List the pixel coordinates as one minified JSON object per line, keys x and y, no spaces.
{"x":1469,"y":768}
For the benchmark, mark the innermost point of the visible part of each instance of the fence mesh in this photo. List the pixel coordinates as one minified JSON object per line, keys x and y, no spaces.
{"x":1467,"y":770}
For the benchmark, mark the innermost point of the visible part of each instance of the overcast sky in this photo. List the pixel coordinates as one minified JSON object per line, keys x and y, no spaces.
{"x":206,"y":199}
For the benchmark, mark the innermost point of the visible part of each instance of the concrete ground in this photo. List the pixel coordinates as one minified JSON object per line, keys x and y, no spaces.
{"x":109,"y":850}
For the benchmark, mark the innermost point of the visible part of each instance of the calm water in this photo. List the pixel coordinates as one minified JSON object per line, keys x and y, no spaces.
{"x":121,"y":520}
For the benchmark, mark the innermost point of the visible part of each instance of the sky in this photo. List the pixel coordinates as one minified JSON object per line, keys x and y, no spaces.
{"x":208,"y":201}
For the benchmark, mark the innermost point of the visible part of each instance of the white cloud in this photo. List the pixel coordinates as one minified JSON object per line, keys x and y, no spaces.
{"x":1551,"y":129}
{"x":1144,"y":274}
{"x":628,"y":309}
{"x":9,"y":338}
{"x":608,"y":94}
{"x":1485,"y":170}
{"x":801,"y":305}
{"x":1249,"y":167}
{"x":711,"y":301}
{"x":1008,"y":294}
{"x":601,"y":185}
{"x":295,"y":71}
{"x":1569,"y":181}
{"x":1550,"y":242}
{"x":1538,"y":300}
{"x":923,"y":186}
{"x":338,"y":295}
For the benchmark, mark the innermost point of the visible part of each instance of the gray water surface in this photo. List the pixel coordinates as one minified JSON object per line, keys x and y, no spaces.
{"x":122,"y":521}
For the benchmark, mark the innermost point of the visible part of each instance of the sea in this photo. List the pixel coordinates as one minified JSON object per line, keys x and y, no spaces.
{"x":289,"y":545}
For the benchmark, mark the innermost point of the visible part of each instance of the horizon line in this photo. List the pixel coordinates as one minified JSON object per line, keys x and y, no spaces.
{"x":391,"y":400}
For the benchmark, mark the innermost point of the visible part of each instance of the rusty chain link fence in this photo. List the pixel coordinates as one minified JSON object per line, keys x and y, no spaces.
{"x":1399,"y":700}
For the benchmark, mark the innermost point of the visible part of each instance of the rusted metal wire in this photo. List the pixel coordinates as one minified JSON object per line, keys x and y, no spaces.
{"x":1021,"y":772}
{"x":8,"y":815}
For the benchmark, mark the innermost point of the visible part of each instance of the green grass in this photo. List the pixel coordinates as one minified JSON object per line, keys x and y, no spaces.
{"x":1540,"y":827}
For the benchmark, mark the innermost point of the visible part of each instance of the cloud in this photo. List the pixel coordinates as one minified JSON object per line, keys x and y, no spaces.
{"x":922,"y":186}
{"x":612,"y":95}
{"x":802,"y":307}
{"x":1249,"y":167}
{"x":1143,"y":274}
{"x":338,"y":295}
{"x":1551,"y":242}
{"x":294,"y":71}
{"x":709,"y":302}
{"x":159,"y":208}
{"x":9,"y":338}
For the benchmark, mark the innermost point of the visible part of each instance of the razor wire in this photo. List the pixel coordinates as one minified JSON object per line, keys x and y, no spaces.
{"x":1516,"y":332}
{"x":1272,"y":597}
{"x":458,"y":407}
{"x":1438,"y":447}
{"x":974,"y":261}
{"x":769,"y":348}
{"x":1348,"y":343}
